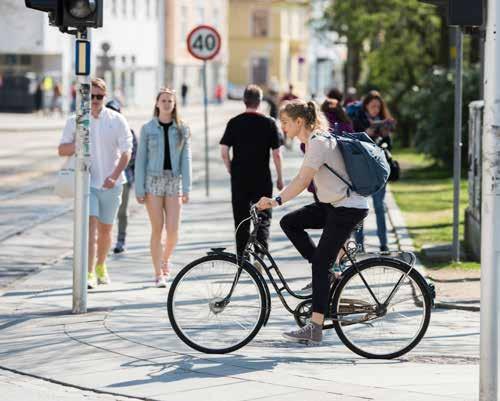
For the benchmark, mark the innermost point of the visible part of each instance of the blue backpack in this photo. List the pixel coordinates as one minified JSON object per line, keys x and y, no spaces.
{"x":365,"y":163}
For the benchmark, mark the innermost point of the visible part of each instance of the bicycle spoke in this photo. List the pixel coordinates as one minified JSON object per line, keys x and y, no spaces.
{"x":389,"y":327}
{"x":201,"y":316}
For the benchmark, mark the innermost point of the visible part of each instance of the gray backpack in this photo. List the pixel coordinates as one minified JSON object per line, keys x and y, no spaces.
{"x":365,"y":163}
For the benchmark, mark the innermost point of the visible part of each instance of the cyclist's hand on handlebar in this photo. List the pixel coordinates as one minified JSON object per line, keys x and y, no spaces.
{"x":266,"y":203}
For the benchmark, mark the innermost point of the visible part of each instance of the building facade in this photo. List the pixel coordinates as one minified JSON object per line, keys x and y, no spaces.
{"x":268,"y":44}
{"x":326,"y":54}
{"x":31,"y":49}
{"x":180,"y":67}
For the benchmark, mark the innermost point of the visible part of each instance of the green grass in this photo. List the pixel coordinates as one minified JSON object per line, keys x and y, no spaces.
{"x":425,"y":196}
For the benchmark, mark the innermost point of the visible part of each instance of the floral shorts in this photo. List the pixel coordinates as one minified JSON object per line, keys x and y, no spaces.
{"x":163,"y":185}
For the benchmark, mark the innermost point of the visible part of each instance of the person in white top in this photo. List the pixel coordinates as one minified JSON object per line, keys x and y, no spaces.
{"x":110,"y":151}
{"x":337,"y":212}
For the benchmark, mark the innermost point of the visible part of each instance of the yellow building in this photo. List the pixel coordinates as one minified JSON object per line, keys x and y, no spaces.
{"x":268,"y":43}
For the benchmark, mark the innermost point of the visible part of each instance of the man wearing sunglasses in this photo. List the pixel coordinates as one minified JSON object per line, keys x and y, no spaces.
{"x":110,"y":151}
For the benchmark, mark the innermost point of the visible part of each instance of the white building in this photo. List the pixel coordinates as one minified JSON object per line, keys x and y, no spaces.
{"x":127,"y":51}
{"x":180,"y":67}
{"x":327,"y":57}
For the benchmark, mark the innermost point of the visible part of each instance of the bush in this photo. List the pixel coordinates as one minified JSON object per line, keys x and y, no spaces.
{"x":429,"y":112}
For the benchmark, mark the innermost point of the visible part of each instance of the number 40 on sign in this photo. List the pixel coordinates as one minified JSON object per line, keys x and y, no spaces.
{"x":204,"y":42}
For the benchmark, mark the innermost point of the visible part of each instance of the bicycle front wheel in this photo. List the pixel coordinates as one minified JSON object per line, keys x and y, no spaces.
{"x":379,"y":310}
{"x":198,"y":313}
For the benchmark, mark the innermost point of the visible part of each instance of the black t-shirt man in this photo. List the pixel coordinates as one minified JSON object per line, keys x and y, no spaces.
{"x":252,"y":136}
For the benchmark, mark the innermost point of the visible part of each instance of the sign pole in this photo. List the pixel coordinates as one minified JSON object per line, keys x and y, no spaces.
{"x":204,"y":43}
{"x":82,"y":174}
{"x":207,"y":158}
{"x":457,"y":153}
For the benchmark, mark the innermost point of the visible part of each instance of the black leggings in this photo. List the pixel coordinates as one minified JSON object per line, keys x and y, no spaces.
{"x":337,"y":224}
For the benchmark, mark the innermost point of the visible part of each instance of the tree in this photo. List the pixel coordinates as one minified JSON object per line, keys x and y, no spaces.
{"x":391,"y":44}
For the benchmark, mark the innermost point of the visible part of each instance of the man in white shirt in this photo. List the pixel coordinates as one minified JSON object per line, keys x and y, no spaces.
{"x":110,"y":151}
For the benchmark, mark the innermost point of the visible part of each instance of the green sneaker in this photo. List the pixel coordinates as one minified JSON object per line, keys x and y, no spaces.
{"x":91,"y":281}
{"x":102,"y":274}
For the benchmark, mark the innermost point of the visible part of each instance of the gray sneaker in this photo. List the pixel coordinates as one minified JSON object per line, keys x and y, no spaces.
{"x":311,"y":333}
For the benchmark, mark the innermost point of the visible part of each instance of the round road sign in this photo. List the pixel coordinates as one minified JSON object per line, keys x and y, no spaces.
{"x":204,"y":42}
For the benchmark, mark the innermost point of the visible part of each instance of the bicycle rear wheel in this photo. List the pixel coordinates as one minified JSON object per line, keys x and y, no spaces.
{"x":200,"y":319}
{"x":377,"y":331}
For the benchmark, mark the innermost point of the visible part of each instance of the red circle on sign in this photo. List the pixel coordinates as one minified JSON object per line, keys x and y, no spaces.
{"x":214,"y":52}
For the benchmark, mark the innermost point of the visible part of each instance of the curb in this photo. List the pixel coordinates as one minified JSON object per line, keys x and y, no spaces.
{"x":405,"y":243}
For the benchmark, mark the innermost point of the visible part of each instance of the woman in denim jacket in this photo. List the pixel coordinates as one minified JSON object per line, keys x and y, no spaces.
{"x":163,"y":177}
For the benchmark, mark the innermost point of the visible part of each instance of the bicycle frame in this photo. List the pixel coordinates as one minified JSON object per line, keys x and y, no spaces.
{"x":259,"y":249}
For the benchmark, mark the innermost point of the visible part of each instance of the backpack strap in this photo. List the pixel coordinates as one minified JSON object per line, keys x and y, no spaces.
{"x":349,"y":185}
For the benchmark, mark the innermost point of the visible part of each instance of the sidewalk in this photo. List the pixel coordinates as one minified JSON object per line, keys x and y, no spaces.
{"x":124,"y":346}
{"x":22,"y":122}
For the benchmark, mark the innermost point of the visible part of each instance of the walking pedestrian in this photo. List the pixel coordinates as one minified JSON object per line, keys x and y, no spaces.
{"x":57,"y":100}
{"x":336,"y":213}
{"x":163,"y":177}
{"x":334,"y":112}
{"x":375,"y":119}
{"x":288,"y":95}
{"x":219,"y":93}
{"x":184,"y":93}
{"x":127,"y":185}
{"x":252,"y":137}
{"x":110,"y":150}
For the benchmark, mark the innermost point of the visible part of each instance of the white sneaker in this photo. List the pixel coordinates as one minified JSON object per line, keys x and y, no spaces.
{"x":160,"y":282}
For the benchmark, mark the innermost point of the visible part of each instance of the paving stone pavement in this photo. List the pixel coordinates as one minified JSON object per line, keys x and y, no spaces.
{"x":124,"y":346}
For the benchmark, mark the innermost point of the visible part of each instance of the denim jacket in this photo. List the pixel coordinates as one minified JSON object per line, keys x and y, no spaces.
{"x":151,"y":154}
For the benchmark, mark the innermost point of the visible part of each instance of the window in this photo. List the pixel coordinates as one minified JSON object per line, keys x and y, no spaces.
{"x":148,"y":9}
{"x":184,"y":23}
{"x":114,"y":10}
{"x":125,"y":7}
{"x":216,"y":17}
{"x":260,"y":23}
{"x":157,"y":9}
{"x":134,"y":8}
{"x":201,"y":15}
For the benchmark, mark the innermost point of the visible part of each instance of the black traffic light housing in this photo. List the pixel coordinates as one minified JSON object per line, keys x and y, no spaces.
{"x":67,"y":14}
{"x":469,"y":13}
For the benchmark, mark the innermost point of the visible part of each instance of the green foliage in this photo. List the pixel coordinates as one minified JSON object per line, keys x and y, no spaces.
{"x":399,"y":40}
{"x":428,"y":111}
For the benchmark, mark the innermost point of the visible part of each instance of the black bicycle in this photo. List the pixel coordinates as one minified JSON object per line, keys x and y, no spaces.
{"x":380,"y":306}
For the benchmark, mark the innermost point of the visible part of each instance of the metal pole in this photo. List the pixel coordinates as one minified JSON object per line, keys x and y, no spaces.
{"x":205,"y":101}
{"x":82,"y":189}
{"x":490,"y":211}
{"x":457,"y":153}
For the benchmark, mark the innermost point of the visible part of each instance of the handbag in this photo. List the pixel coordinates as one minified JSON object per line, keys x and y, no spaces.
{"x":64,"y":186}
{"x":394,"y":166}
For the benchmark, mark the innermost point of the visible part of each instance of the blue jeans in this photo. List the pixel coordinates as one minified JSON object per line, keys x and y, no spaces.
{"x":378,"y":205}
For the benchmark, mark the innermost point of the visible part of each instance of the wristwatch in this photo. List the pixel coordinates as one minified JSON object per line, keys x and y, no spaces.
{"x":278,"y":200}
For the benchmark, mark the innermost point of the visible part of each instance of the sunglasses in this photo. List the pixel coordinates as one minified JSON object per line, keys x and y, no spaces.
{"x":98,"y":97}
{"x":167,"y":90}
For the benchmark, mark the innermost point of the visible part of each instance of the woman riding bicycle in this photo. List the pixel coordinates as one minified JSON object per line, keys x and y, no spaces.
{"x":337,"y":213}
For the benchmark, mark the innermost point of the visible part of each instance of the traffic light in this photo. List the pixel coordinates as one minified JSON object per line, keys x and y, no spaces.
{"x":462,"y":12}
{"x":79,"y":14}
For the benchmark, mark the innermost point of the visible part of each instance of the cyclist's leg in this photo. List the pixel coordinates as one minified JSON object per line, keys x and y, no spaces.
{"x":295,"y":223}
{"x":339,"y":224}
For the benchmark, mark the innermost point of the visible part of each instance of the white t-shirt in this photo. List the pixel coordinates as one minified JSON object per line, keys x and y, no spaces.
{"x":330,"y":188}
{"x":109,"y":137}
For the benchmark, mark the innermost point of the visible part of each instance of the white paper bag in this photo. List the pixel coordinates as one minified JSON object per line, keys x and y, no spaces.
{"x":65,"y":180}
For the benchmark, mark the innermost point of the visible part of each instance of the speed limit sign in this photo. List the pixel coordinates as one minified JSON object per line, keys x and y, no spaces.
{"x":204,"y":42}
